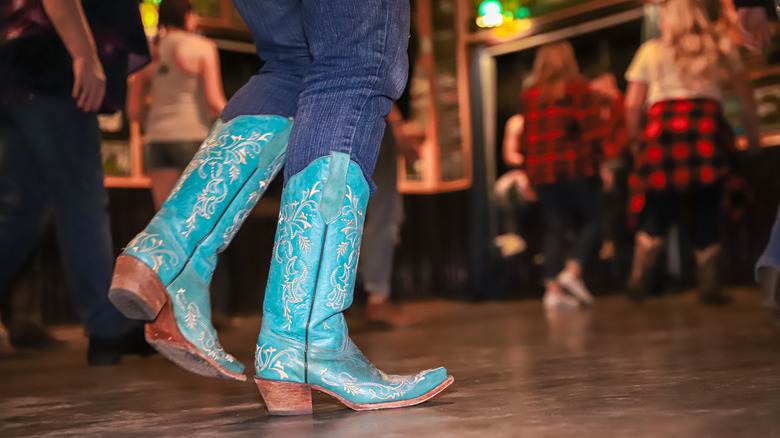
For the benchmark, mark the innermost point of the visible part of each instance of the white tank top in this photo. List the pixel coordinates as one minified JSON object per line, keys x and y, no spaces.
{"x":179,"y":111}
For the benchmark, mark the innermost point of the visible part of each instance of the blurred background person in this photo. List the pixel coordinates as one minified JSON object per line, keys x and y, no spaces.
{"x":57,"y":71}
{"x":384,"y":216}
{"x":513,"y":192}
{"x":561,"y":150}
{"x":768,"y":272}
{"x":752,"y":22}
{"x":686,"y":147}
{"x":183,"y":86}
{"x":616,"y":247}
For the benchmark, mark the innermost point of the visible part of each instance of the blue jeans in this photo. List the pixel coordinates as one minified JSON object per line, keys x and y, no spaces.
{"x":562,"y":204}
{"x":50,"y":167}
{"x":771,"y":255}
{"x":333,"y":65}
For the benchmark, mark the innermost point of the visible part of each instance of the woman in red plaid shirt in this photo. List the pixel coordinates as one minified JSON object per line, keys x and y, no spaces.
{"x":560,"y":149}
{"x":686,"y":146}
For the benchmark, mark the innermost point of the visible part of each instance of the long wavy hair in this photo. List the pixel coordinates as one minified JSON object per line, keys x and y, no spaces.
{"x":554,"y":67}
{"x":692,"y":44}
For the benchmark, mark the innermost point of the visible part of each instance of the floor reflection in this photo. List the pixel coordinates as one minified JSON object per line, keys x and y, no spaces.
{"x":669,"y":367}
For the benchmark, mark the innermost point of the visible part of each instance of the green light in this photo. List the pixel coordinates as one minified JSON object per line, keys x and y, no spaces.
{"x":523,"y":12}
{"x":488,"y":7}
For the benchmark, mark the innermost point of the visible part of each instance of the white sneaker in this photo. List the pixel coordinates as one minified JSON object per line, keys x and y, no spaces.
{"x":561,"y":301}
{"x":575,"y":286}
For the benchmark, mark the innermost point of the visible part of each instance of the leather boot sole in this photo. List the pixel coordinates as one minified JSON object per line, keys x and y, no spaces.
{"x":290,"y":398}
{"x":139,"y":294}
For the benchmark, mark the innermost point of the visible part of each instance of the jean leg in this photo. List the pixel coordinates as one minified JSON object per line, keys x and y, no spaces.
{"x":585,"y":200}
{"x":277,"y":29}
{"x":552,"y":200}
{"x":66,"y":143}
{"x":383,"y":219}
{"x":771,"y":255}
{"x":22,"y":197}
{"x":359,"y":65}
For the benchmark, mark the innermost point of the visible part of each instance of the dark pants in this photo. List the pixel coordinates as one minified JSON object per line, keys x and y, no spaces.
{"x":51,"y":168}
{"x":565,"y":204}
{"x":699,"y":205}
{"x":333,"y":65}
{"x":383,"y":220}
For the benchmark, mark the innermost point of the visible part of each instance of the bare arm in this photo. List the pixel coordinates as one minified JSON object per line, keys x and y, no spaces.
{"x":511,"y":147}
{"x":136,"y":104}
{"x":89,"y":85}
{"x":138,"y":85}
{"x":212,"y":80}
{"x":635,"y":100}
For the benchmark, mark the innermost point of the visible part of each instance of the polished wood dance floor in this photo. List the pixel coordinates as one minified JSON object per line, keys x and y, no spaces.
{"x":668,"y":368}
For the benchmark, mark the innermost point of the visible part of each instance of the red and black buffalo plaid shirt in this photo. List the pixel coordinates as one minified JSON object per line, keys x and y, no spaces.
{"x":686,"y":142}
{"x":616,"y":135}
{"x":562,"y":139}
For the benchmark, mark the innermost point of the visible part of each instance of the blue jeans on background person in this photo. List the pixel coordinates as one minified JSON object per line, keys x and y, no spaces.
{"x":561,"y":202}
{"x":770,"y":258}
{"x":51,"y":167}
{"x":334,"y":66}
{"x":767,"y":272}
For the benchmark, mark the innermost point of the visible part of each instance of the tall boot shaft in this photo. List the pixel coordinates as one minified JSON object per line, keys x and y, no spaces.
{"x":708,"y":276}
{"x":647,"y":250}
{"x":164,"y":273}
{"x":304,"y":339}
{"x":213,"y":197}
{"x":316,"y":252}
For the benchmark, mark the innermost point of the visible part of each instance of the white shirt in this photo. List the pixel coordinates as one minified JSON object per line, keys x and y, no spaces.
{"x":663,"y":80}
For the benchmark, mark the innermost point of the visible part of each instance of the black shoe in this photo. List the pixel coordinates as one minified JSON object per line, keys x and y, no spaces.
{"x":33,"y":336}
{"x":109,"y":351}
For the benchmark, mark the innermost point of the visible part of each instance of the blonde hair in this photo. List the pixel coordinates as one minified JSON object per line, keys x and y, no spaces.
{"x":554,"y":67}
{"x":692,"y":45}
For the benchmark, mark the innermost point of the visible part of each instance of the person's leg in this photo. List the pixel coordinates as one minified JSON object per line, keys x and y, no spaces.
{"x":22,"y":197}
{"x":164,"y":163}
{"x":281,"y":43}
{"x":163,"y":181}
{"x":706,"y":204}
{"x":583,"y":196}
{"x":66,"y":144}
{"x":23,"y":309}
{"x":768,"y":272}
{"x":22,"y":212}
{"x":380,"y":236}
{"x":381,"y":230}
{"x":656,"y":218}
{"x":359,"y":63}
{"x":355,"y":73}
{"x":164,"y":274}
{"x":556,"y":223}
{"x":555,"y":211}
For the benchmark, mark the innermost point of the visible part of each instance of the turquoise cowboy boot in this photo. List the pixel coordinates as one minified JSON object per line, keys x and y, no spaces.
{"x":303,"y":342}
{"x":163,"y":275}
